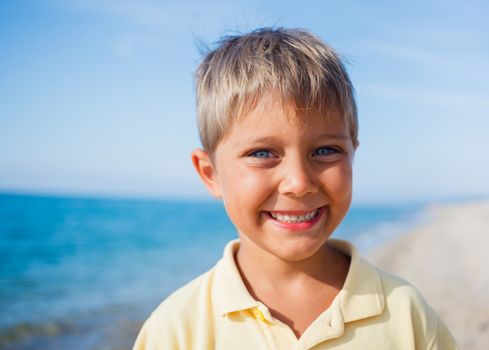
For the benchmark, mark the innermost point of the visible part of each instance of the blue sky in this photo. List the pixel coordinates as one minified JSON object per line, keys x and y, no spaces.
{"x":96,"y":97}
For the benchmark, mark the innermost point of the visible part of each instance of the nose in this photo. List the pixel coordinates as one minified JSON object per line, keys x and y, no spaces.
{"x":298,"y":179}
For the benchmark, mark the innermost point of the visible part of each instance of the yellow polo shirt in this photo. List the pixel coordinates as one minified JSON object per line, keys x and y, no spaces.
{"x":374,"y":310}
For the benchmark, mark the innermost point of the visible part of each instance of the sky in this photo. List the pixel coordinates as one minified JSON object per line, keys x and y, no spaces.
{"x":97,"y":97}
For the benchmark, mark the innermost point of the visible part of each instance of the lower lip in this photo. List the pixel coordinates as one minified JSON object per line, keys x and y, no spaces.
{"x":298,"y":226}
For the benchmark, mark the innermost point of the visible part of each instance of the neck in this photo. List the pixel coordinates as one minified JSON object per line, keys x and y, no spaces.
{"x":261,"y":268}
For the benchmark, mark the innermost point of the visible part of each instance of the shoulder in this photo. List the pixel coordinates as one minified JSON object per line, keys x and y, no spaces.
{"x":184,"y":299}
{"x":182,"y":307}
{"x":399,"y":290}
{"x":407,"y":307}
{"x":186,"y":308}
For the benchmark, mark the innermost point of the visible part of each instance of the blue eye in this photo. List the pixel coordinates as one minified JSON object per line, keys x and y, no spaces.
{"x":262,"y":153}
{"x":325,"y":151}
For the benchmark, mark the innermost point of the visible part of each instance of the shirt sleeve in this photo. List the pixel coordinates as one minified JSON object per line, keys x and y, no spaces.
{"x":430,"y":332}
{"x":155,"y":337}
{"x":442,"y":338}
{"x":142,"y":339}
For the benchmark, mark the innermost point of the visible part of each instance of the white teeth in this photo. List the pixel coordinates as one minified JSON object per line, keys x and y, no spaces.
{"x":295,"y":218}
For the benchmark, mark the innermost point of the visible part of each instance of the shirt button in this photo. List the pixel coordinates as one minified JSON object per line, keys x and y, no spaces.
{"x":258,"y":314}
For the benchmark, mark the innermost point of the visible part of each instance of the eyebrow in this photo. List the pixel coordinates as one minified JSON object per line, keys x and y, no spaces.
{"x":270,"y":139}
{"x":334,"y":136}
{"x":265,"y":139}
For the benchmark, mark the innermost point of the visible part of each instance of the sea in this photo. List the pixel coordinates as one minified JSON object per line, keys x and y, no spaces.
{"x":84,"y":273}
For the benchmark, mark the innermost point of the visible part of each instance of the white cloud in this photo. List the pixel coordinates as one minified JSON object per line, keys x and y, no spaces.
{"x":445,"y":59}
{"x":432,"y":97}
{"x":173,"y":15}
{"x":124,"y":47}
{"x":146,"y":13}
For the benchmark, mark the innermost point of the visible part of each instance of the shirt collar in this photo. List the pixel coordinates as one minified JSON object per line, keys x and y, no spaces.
{"x":362,"y":294}
{"x":229,"y":291}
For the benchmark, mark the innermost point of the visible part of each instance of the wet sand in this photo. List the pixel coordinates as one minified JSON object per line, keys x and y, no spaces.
{"x":447,"y":259}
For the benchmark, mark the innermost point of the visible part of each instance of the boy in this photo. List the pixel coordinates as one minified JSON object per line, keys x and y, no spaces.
{"x":278,"y":123}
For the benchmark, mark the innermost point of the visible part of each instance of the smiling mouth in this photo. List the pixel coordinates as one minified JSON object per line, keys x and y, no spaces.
{"x":289,"y":218}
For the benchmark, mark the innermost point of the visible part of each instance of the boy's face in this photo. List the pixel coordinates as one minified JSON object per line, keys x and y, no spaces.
{"x":286,"y":186}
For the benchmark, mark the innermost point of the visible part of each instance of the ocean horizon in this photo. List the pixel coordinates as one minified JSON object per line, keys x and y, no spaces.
{"x":83,"y":273}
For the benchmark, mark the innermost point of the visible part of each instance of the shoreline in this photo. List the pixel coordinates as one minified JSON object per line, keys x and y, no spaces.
{"x":445,"y":260}
{"x":415,"y":238}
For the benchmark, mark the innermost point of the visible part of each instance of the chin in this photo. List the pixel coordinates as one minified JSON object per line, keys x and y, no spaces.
{"x":299,"y":252}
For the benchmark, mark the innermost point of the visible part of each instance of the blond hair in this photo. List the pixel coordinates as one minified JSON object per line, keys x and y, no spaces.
{"x":304,"y":69}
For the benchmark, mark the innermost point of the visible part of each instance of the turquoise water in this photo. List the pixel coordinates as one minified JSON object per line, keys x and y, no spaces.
{"x":82,"y":273}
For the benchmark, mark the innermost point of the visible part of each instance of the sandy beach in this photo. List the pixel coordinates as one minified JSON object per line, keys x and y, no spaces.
{"x":446,"y":259}
{"x":444,"y":256}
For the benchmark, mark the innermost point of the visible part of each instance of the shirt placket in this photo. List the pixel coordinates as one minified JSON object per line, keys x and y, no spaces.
{"x":273,"y":328}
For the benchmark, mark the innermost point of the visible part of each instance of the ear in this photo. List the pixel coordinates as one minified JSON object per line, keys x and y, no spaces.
{"x":207,"y":172}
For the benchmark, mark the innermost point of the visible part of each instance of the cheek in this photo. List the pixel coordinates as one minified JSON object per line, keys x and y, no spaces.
{"x":338,"y":182}
{"x":245,"y":188}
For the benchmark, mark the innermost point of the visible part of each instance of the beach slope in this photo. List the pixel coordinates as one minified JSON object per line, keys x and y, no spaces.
{"x":447,"y":259}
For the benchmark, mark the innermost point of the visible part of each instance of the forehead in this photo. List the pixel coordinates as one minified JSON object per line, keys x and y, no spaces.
{"x":271,"y":113}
